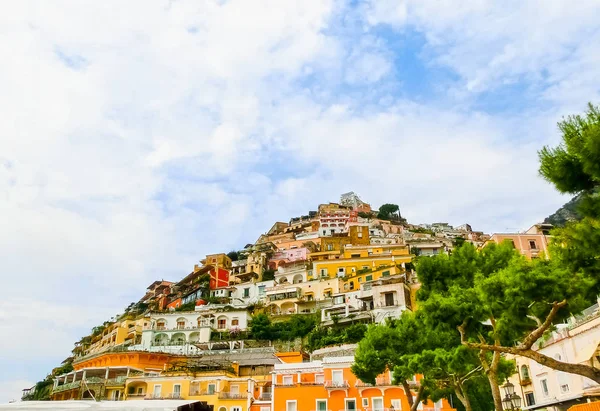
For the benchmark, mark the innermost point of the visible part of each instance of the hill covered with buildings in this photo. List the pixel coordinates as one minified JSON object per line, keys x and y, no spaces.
{"x":243,"y":324}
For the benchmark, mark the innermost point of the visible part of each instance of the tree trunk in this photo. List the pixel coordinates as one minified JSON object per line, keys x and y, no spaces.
{"x":408,"y":393}
{"x":463,"y":397}
{"x":492,"y":378}
{"x":414,"y":403}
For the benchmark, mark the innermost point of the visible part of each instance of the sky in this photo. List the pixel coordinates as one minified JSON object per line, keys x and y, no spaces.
{"x":137,"y":137}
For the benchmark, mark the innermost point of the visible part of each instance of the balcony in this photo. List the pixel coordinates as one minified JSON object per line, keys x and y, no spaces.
{"x":525,"y":381}
{"x":196,"y":392}
{"x":137,"y":396}
{"x":67,"y":387}
{"x":265,"y":396}
{"x":224,"y":395}
{"x":336,"y":384}
{"x":379,"y":382}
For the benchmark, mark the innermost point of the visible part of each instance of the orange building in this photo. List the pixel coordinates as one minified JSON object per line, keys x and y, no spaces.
{"x":330,"y":385}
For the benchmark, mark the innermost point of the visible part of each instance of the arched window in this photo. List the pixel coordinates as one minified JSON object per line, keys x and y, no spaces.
{"x":524,"y":372}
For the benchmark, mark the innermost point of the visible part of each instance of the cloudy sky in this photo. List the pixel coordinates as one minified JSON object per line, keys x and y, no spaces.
{"x":137,"y":136}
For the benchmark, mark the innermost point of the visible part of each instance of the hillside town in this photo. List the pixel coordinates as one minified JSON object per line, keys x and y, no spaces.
{"x":275,"y":325}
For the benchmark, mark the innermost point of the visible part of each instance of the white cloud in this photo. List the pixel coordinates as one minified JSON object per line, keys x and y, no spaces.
{"x":491,"y":44}
{"x":137,"y":137}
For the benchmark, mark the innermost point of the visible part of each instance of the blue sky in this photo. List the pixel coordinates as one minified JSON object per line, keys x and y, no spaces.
{"x":139,"y":136}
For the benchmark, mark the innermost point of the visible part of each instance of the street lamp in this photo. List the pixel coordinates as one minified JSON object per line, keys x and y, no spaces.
{"x":511,"y":400}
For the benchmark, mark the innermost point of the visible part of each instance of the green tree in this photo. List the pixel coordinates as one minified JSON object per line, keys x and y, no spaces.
{"x":260,"y":327}
{"x":234,"y":255}
{"x":389,"y":212}
{"x":574,"y":167}
{"x":412,"y":345}
{"x":501,"y":303}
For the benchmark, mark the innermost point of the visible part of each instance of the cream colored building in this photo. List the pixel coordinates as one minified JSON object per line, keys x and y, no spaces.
{"x":575,"y":342}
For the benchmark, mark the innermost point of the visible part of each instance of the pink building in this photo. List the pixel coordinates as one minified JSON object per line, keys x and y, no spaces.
{"x":533,"y":243}
{"x":283,"y":257}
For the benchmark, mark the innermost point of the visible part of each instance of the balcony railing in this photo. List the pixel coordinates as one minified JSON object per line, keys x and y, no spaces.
{"x":195,"y":392}
{"x":115,"y":382}
{"x":380,"y":382}
{"x":68,"y":386}
{"x":135,"y":395}
{"x":336,"y":384}
{"x":231,"y":396}
{"x":265,"y":396}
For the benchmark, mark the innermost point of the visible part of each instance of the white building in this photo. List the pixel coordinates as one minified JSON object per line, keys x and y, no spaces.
{"x":250,"y":293}
{"x":180,"y":332}
{"x":575,"y":342}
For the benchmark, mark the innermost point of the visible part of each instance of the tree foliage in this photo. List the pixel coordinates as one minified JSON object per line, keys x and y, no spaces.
{"x":574,"y":167}
{"x":414,"y":345}
{"x":298,"y":326}
{"x":325,"y":336}
{"x":501,"y":302}
{"x":390,"y":212}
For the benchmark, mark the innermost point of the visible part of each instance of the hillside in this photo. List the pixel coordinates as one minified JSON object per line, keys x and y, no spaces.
{"x":568,"y":212}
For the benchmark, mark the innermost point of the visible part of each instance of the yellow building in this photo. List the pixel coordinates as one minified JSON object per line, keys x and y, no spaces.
{"x":233,"y":381}
{"x":359,"y":262}
{"x":217,"y":260}
{"x":125,"y":332}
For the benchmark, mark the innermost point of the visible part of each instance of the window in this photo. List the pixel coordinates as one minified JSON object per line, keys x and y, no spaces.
{"x":532,"y":245}
{"x":354,"y":255}
{"x":176,"y":390}
{"x":265,"y":408}
{"x":235,"y":322}
{"x":360,"y":279}
{"x":319,"y":379}
{"x":222,"y":323}
{"x":350,"y":405}
{"x":369,"y":277}
{"x":396,"y":405}
{"x":211,"y":389}
{"x":529,"y":399}
{"x":377,"y":404}
{"x":140,"y":390}
{"x":338,"y":377}
{"x":161,"y":325}
{"x":563,"y":382}
{"x":180,"y":324}
{"x":544,"y":384}
{"x":385,"y":273}
{"x":236,"y":408}
{"x":261,"y":290}
{"x":323,"y":272}
{"x":329,"y":247}
{"x":524,"y":372}
{"x":389,"y":299}
{"x":156,"y":391}
{"x":352,"y":285}
{"x":291,"y":405}
{"x":341,"y":270}
{"x":288,"y":380}
{"x":321,"y":405}
{"x":365,"y":402}
{"x":246,"y":292}
{"x":353,"y":269}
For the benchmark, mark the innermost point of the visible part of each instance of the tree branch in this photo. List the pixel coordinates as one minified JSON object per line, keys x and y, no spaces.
{"x":539,"y":331}
{"x":579,"y":369}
